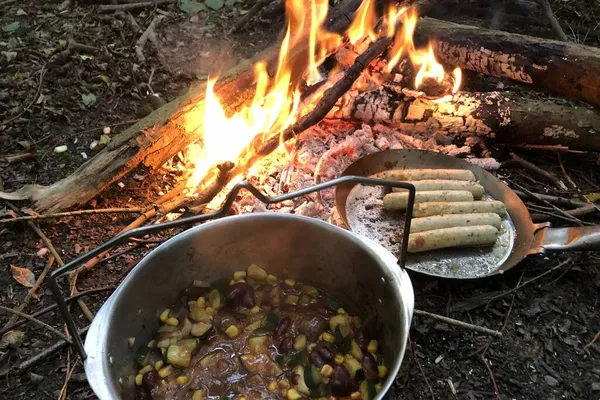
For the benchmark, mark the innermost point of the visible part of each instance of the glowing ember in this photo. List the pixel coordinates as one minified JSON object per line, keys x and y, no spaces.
{"x":276,"y":101}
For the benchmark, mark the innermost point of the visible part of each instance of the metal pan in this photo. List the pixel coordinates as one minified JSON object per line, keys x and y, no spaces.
{"x":360,"y":208}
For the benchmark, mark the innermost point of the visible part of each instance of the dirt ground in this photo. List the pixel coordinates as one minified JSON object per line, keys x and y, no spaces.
{"x":68,"y":72}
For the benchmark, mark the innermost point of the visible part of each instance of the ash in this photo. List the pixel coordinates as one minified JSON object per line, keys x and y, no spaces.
{"x":321,"y":154}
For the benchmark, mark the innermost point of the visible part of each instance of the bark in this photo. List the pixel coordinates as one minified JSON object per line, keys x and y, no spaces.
{"x":505,"y":117}
{"x":567,"y":69}
{"x":159,"y":136}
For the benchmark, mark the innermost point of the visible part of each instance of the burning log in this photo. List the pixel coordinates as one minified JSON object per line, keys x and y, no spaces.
{"x":162,"y":134}
{"x":504,"y":116}
{"x":568,"y":69}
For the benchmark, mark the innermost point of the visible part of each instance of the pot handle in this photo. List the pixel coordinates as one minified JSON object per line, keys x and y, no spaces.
{"x":184,"y":222}
{"x":571,"y":239}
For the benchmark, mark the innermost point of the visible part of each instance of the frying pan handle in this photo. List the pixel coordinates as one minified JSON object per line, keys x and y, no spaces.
{"x":571,"y":239}
{"x":184,"y":222}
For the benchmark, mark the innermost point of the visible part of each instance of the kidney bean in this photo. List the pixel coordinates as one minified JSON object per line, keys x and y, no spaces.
{"x":327,"y":350}
{"x":248,"y":299}
{"x":341,"y":383}
{"x":312,"y":325}
{"x":361,"y":338}
{"x":316,"y":359}
{"x":287,"y":345}
{"x":370,"y":366}
{"x":282,"y":328}
{"x":295,"y":379}
{"x":150,"y":381}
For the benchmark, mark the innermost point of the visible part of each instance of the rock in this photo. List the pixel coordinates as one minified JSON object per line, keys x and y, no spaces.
{"x":596,"y":387}
{"x":35,"y":378}
{"x":552,"y":382}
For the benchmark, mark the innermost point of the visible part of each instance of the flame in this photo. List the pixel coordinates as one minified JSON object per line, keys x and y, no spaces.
{"x":276,"y":102}
{"x":457,"y":76}
{"x":363,"y":25}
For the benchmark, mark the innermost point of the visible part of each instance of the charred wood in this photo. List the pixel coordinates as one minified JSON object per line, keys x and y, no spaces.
{"x":567,"y":69}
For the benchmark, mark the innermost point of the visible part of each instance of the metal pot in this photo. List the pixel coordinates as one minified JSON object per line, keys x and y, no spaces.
{"x":361,"y":274}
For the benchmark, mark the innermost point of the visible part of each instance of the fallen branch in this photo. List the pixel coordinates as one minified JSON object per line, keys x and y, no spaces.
{"x":43,"y":354}
{"x":461,"y":324}
{"x":54,"y":306}
{"x":253,"y":11}
{"x":542,"y":215}
{"x":71,"y":214}
{"x":559,"y":201}
{"x":30,"y":295}
{"x":133,"y":6}
{"x":560,"y":211}
{"x":36,"y":321}
{"x":552,"y":20}
{"x":15,"y":158}
{"x":72,"y":47}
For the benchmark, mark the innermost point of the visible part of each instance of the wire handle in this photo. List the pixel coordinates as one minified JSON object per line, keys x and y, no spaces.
{"x":143,"y":231}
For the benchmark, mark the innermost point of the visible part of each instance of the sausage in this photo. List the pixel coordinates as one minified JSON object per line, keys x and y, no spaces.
{"x":480,"y":235}
{"x":461,"y":207}
{"x":421,"y":174}
{"x":445,"y":184}
{"x":398,"y":201}
{"x":451,"y":220}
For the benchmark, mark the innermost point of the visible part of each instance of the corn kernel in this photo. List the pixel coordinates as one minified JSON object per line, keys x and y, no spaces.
{"x":328,"y":337}
{"x":290,"y":282}
{"x":239,"y":275}
{"x":159,"y":364}
{"x":199,"y":395}
{"x":300,"y":342}
{"x":312,"y":346}
{"x":138,"y":379}
{"x":255,"y":310}
{"x":293,"y":394}
{"x":356,"y":321}
{"x":164,"y":316}
{"x":355,"y":396}
{"x":242,"y":397}
{"x":232,"y":331}
{"x":172,"y":321}
{"x":378,"y":387}
{"x":232,"y":282}
{"x":339,"y":359}
{"x":310,"y":290}
{"x":147,"y":368}
{"x":327,"y":370}
{"x":283,"y":383}
{"x":241,"y":281}
{"x":382,"y":371}
{"x":165,"y":371}
{"x":373,"y":346}
{"x":341,"y":311}
{"x":181,"y":380}
{"x":201,"y":302}
{"x":272,"y":386}
{"x":271,"y":279}
{"x":283,"y":393}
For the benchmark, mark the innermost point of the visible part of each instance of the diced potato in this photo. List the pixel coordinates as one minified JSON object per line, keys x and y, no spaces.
{"x":200,"y":328}
{"x":165,"y":371}
{"x":300,"y":342}
{"x":257,"y":273}
{"x":239,"y":275}
{"x":179,"y":356}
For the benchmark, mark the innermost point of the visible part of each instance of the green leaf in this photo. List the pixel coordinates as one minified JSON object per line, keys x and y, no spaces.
{"x":191,"y":6}
{"x":104,"y":79}
{"x":215,"y":4}
{"x":11,"y":26}
{"x":88,"y":99}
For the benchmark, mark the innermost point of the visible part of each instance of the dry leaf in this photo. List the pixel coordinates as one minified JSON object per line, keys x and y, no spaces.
{"x":23,"y":275}
{"x":77,"y":248}
{"x":42,"y":252}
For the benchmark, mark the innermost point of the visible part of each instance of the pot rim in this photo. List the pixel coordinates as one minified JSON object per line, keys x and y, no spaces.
{"x":97,"y":364}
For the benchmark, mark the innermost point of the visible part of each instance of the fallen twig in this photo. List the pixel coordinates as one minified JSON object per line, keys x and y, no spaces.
{"x":141,"y":42}
{"x":59,"y":260}
{"x":73,"y":46}
{"x":54,"y":306}
{"x":541,"y":215}
{"x":36,"y":321}
{"x":71,"y":214}
{"x":42,"y":355}
{"x":16,"y":158}
{"x":489,"y":300}
{"x":553,"y":21}
{"x":489,"y":368}
{"x":63,"y":391}
{"x":254,"y":10}
{"x":461,"y":324}
{"x":560,"y":201}
{"x":516,"y":160}
{"x":412,"y":348}
{"x":560,"y":211}
{"x":30,"y":294}
{"x":133,"y":6}
{"x":594,"y":340}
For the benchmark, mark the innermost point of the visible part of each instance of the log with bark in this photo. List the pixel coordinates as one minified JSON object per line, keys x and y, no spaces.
{"x":506,"y":117}
{"x":566,"y":69}
{"x":162,"y":134}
